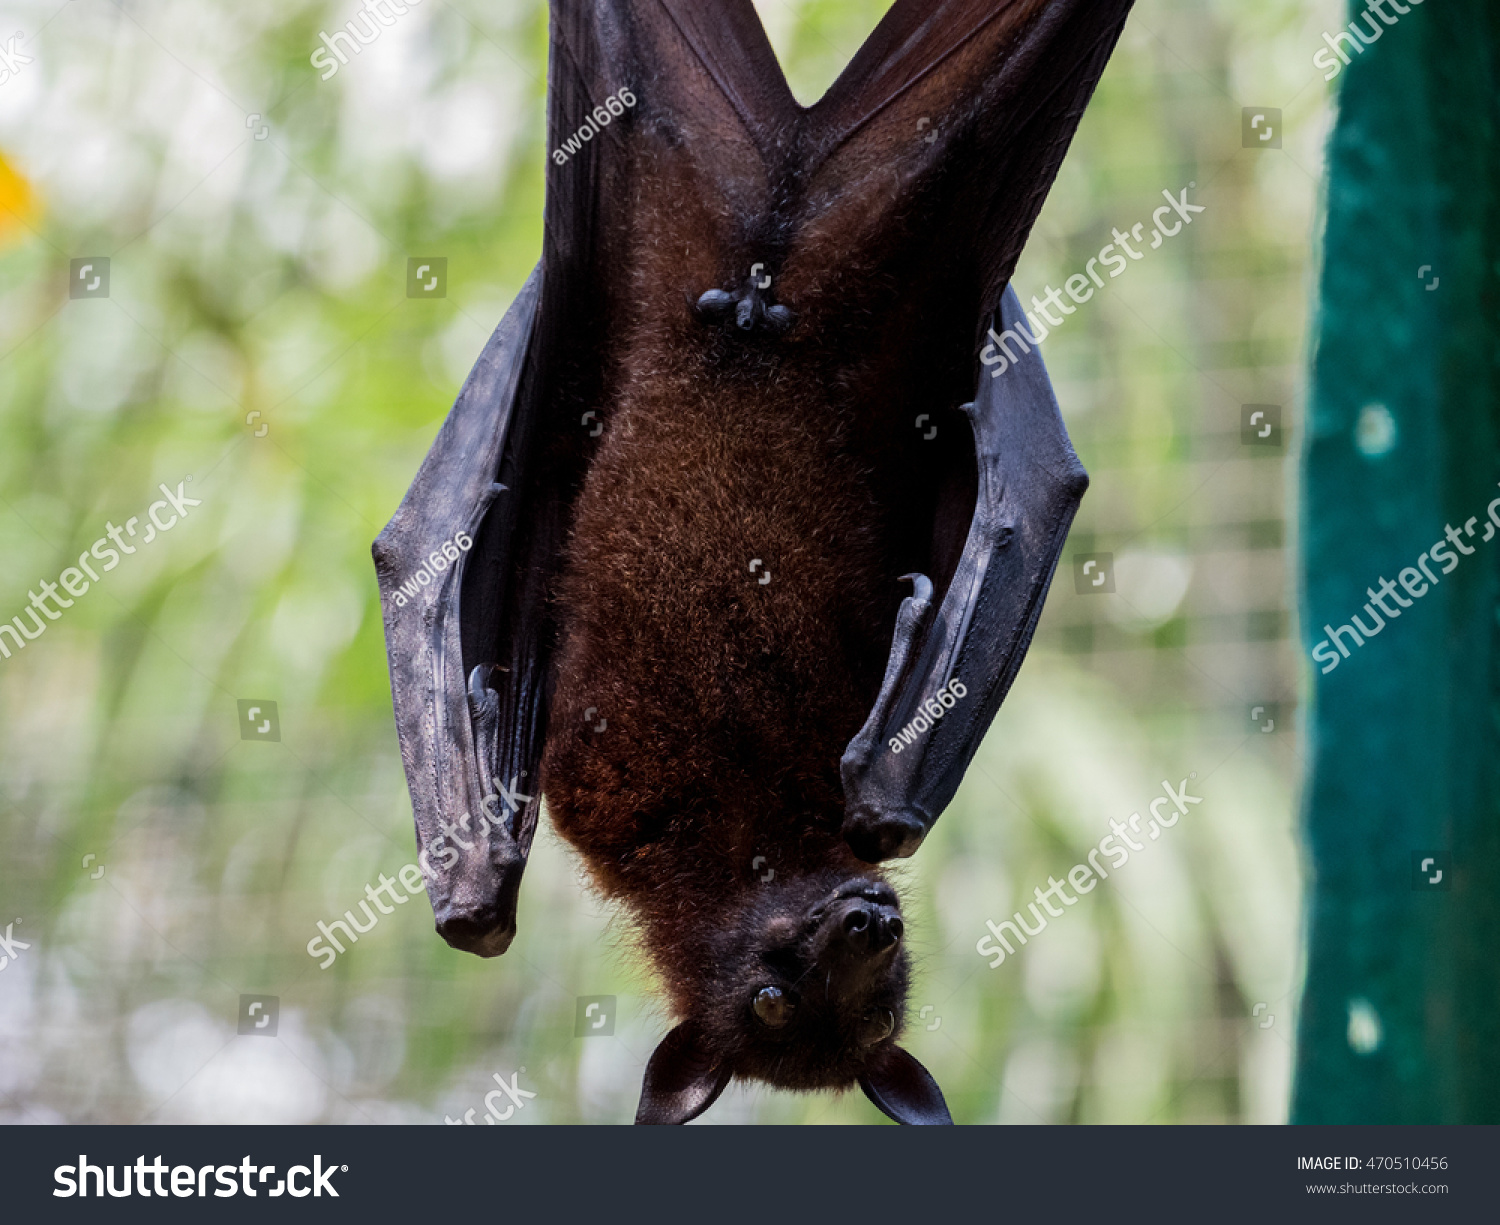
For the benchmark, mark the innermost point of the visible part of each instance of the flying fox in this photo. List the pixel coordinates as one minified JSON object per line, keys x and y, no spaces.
{"x":759,"y":526}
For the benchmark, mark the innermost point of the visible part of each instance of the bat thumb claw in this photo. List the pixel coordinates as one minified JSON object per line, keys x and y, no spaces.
{"x":481,"y":695}
{"x":921,"y":587}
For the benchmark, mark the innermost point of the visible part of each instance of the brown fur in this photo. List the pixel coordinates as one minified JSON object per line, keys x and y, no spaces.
{"x":729,"y":702}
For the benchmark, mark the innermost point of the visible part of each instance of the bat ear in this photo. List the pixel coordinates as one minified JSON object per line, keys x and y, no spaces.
{"x":904,"y":1089}
{"x":683,"y":1079}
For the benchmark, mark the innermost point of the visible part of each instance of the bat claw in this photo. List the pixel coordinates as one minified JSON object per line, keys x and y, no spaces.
{"x":481,"y":696}
{"x":921,"y":587}
{"x":484,"y":711}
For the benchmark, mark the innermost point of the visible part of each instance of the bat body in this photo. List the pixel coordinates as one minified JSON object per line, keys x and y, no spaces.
{"x":760,"y":543}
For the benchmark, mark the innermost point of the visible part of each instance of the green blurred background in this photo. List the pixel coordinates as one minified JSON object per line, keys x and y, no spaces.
{"x":257,"y":335}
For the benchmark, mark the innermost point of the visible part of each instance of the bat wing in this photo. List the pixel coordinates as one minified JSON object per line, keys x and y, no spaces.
{"x":469,"y":637}
{"x":953,"y":662}
{"x":956,"y":117}
{"x":433,"y":601}
{"x":972,"y":104}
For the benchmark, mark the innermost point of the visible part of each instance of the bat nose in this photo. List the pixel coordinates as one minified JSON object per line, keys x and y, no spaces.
{"x":871,"y":929}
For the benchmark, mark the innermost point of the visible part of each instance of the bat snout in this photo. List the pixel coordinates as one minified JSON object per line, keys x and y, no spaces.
{"x":862,"y":921}
{"x":871,"y":929}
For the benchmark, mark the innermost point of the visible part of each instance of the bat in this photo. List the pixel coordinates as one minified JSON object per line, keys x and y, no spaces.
{"x":739,"y":529}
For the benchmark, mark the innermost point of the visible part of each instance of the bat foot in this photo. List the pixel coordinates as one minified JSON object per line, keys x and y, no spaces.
{"x":876,"y":837}
{"x":747,"y":311}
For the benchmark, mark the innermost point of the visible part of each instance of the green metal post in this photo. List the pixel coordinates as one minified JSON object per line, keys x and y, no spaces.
{"x":1400,"y":1018}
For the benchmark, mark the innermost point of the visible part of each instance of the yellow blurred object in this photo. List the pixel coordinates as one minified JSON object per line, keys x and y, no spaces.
{"x":20,"y":206}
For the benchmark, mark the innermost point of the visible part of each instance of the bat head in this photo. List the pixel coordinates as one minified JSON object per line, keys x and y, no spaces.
{"x":804,"y":988}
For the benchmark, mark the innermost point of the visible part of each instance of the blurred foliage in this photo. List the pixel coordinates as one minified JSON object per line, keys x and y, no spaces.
{"x":19,"y":207}
{"x":257,"y":336}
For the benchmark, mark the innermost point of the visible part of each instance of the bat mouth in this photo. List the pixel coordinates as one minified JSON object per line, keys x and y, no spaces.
{"x":867,"y":888}
{"x":871,"y":890}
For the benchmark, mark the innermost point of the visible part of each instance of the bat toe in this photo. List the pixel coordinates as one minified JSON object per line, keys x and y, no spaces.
{"x":745,"y":312}
{"x":715,"y":305}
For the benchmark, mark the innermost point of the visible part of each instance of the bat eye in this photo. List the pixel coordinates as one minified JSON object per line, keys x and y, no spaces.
{"x":774,"y":1006}
{"x":876,"y":1026}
